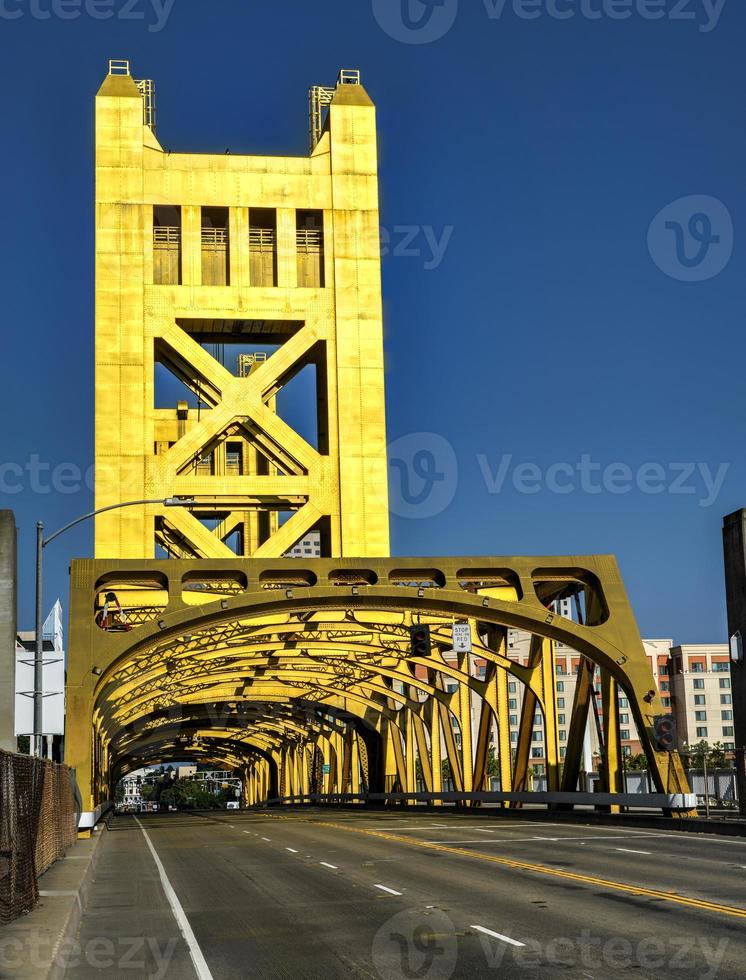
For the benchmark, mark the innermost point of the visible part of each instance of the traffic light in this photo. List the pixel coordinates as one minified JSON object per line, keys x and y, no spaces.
{"x":419,"y":641}
{"x":664,"y":733}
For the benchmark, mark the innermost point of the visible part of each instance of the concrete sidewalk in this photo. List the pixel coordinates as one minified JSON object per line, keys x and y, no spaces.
{"x":34,"y":946}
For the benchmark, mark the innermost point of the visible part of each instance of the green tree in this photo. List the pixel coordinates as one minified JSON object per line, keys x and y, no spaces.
{"x":701,"y":753}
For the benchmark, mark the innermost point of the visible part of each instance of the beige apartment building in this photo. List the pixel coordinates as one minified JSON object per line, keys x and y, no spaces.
{"x":694,"y":681}
{"x":702,"y":696}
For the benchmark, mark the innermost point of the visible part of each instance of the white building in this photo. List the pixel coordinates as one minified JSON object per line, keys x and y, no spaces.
{"x":53,"y":679}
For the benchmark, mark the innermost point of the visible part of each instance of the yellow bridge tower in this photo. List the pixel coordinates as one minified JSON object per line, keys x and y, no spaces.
{"x":226,"y":277}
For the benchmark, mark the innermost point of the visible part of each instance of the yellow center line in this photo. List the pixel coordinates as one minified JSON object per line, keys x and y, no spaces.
{"x":618,"y":886}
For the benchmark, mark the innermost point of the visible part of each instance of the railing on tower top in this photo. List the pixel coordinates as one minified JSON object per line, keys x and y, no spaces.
{"x":146,"y":87}
{"x":320,"y":96}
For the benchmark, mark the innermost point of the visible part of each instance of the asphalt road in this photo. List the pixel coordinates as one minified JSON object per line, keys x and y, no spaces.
{"x":339,"y":894}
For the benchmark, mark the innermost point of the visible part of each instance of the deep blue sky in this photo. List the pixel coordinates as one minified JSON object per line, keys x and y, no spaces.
{"x":547,"y":331}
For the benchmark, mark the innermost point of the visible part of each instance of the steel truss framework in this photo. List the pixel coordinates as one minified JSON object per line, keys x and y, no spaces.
{"x":299,"y":674}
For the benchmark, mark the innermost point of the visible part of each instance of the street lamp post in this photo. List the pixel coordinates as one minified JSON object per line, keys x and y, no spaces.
{"x":41,"y":544}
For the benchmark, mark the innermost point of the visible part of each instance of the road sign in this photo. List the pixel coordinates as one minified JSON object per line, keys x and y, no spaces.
{"x":326,"y":769}
{"x":462,"y":637}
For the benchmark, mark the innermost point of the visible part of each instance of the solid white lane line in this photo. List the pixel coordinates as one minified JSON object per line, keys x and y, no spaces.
{"x":390,"y":891}
{"x":486,"y":830}
{"x":291,"y":849}
{"x":200,"y":964}
{"x":627,"y":850}
{"x":496,"y":935}
{"x":326,"y":865}
{"x":247,"y":831}
{"x":268,"y":839}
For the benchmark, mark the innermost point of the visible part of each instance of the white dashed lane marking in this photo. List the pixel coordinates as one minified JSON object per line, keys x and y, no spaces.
{"x":390,"y":891}
{"x":497,"y":935}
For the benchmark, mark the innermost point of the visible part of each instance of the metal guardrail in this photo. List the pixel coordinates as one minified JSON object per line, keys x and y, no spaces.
{"x":166,"y":235}
{"x":262,"y":239}
{"x":644,"y":801}
{"x":309,"y":239}
{"x":214,"y":236}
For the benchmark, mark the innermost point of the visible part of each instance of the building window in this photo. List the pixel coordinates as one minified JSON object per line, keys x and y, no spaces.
{"x":263,"y":246}
{"x":700,"y":716}
{"x":513,"y":704}
{"x":538,"y":719}
{"x":512,"y":688}
{"x":215,"y":247}
{"x":665,"y":685}
{"x":726,"y":699}
{"x":310,"y":246}
{"x":560,"y":702}
{"x":537,"y":737}
{"x":537,"y":753}
{"x":205,"y":466}
{"x":560,"y":687}
{"x":624,"y":719}
{"x":513,"y":719}
{"x":725,"y":683}
{"x":697,"y":667}
{"x":166,"y":246}
{"x":728,"y":730}
{"x":701,"y":733}
{"x":729,"y":746}
{"x":563,"y":752}
{"x":624,"y":735}
{"x":560,"y":669}
{"x":560,"y":719}
{"x":627,"y":750}
{"x":726,"y":715}
{"x":721,"y":667}
{"x":666,"y":702}
{"x":698,"y":684}
{"x":234,"y":459}
{"x":699,"y":699}
{"x":663,"y":670}
{"x":514,"y":736}
{"x":563,"y":736}
{"x":623,"y":702}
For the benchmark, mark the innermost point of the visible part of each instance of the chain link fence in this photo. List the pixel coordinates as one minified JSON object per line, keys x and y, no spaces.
{"x":38,"y":823}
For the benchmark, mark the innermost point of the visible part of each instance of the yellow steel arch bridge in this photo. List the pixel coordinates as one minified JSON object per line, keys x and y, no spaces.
{"x":193,"y":635}
{"x":302,"y":675}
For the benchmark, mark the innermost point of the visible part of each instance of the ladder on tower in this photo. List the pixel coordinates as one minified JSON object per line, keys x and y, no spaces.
{"x":320,"y":97}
